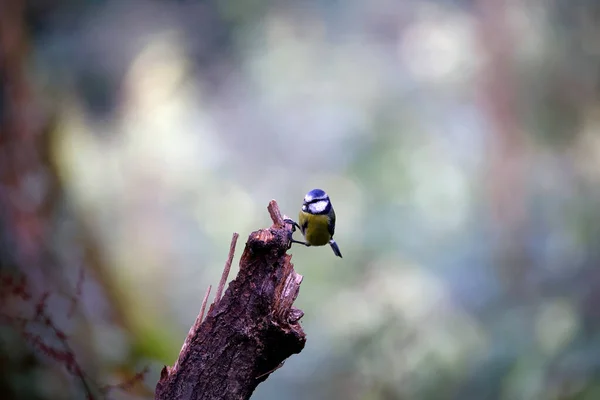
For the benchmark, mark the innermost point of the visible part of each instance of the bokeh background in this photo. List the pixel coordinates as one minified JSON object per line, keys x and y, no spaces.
{"x":458,"y":140}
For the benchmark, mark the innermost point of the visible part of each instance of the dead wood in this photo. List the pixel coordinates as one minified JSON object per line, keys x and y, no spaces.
{"x":249,"y":332}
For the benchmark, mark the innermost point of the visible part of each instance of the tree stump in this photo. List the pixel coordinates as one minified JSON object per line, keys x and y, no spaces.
{"x":249,"y":332}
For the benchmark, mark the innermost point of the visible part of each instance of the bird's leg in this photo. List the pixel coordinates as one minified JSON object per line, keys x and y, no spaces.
{"x":299,"y":242}
{"x":290,"y":238}
{"x":291,"y":233}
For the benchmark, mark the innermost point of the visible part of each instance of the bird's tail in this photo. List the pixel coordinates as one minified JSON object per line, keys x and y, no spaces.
{"x":335,"y":248}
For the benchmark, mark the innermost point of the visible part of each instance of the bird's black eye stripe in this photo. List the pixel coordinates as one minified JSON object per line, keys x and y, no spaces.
{"x":317,"y":200}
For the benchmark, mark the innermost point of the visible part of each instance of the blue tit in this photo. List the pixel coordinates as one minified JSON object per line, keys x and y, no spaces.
{"x":316,"y":221}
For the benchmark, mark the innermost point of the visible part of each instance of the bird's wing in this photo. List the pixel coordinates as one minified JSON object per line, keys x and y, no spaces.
{"x":331,"y":225}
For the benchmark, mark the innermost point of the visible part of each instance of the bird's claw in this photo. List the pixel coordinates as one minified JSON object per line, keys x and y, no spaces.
{"x":293,"y":223}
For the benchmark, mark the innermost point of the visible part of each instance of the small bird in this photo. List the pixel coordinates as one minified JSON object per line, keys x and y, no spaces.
{"x":316,"y":221}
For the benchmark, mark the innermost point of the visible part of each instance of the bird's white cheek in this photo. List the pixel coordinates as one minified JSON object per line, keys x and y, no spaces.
{"x":318,"y":207}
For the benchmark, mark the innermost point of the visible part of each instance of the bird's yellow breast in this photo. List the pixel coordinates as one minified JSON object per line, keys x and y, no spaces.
{"x":316,"y":232}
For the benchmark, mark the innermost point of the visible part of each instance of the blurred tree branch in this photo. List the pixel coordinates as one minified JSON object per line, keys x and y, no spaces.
{"x":249,"y":332}
{"x":507,"y":152}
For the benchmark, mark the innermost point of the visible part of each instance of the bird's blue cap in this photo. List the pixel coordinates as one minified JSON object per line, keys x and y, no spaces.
{"x":315,"y":194}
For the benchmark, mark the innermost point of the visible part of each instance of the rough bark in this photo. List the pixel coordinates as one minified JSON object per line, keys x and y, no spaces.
{"x":249,"y":332}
